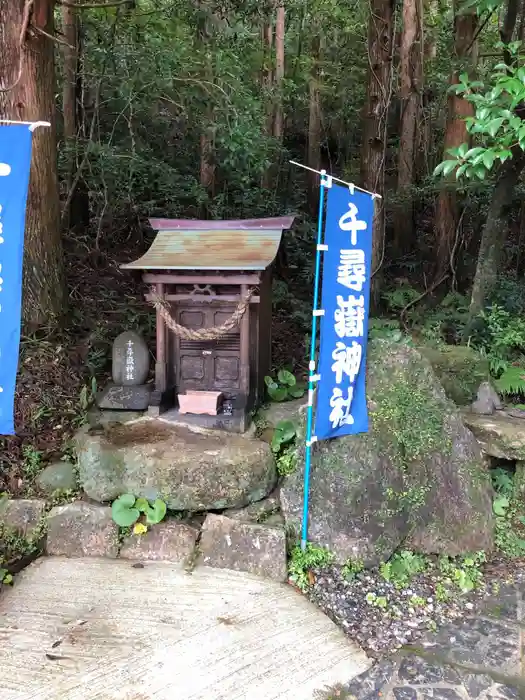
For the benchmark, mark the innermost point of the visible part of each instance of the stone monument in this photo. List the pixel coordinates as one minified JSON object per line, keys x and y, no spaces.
{"x":130,"y":369}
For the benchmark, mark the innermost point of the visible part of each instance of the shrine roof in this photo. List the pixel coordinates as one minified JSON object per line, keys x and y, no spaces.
{"x":185,"y":244}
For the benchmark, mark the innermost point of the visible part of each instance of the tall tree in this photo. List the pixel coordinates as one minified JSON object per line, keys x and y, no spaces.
{"x":279,"y":69}
{"x":410,"y":79}
{"x":27,"y":90}
{"x":498,"y":122}
{"x":494,"y":232}
{"x":373,"y":153}
{"x":207,"y":138}
{"x":458,"y":109}
{"x":314,"y":121}
{"x":76,"y":205}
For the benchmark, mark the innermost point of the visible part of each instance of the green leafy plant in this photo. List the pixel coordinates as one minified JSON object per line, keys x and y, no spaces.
{"x":5,"y":577}
{"x":417,"y":601}
{"x":509,"y":521}
{"x":32,"y":461}
{"x":283,"y":434}
{"x":126,"y":511}
{"x":352,"y":568}
{"x":285,"y":387}
{"x":495,"y":122}
{"x":15,"y":547}
{"x":384,"y":328}
{"x":502,"y":481}
{"x":377,"y":601}
{"x":402,"y":568}
{"x":286,"y":461}
{"x":511,"y":382}
{"x":500,"y":335}
{"x":463,"y":573}
{"x":301,"y":563}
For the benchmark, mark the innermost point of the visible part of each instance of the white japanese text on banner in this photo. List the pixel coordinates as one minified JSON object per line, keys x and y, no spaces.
{"x":341,"y":392}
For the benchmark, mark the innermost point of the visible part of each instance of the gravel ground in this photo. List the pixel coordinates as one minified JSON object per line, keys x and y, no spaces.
{"x":408,"y":613}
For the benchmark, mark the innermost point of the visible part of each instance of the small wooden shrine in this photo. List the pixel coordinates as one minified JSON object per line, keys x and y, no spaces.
{"x":210,"y":282}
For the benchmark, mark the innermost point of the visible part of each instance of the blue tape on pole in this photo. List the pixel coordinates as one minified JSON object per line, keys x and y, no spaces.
{"x":15,"y":162}
{"x":341,"y":393}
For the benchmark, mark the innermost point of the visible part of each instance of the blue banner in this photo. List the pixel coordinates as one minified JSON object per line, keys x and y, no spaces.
{"x":15,"y":162}
{"x":341,"y":391}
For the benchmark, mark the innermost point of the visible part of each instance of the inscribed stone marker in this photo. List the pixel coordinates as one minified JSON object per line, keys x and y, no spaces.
{"x":131,"y":359}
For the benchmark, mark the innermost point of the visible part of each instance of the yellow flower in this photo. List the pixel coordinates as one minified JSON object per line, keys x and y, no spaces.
{"x":139,"y":529}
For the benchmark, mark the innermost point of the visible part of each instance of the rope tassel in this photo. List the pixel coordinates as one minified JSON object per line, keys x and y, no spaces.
{"x":203,"y":333}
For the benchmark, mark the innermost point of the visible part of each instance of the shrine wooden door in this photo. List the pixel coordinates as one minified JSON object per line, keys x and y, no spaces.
{"x":212,"y":365}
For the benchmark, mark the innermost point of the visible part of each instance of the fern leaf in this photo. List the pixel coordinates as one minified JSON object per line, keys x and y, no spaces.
{"x":512,"y":381}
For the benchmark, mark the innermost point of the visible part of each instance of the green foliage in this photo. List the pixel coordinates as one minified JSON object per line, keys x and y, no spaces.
{"x":501,"y":336}
{"x":502,"y":481}
{"x":301,"y":563}
{"x":397,"y":299}
{"x":509,"y":526}
{"x":377,"y":601}
{"x":126,"y":511}
{"x":32,"y":461}
{"x":283,"y":434}
{"x":384,"y":328}
{"x":495,"y":126}
{"x":15,"y":547}
{"x":464,"y":573}
{"x":509,"y":515}
{"x":286,"y":461}
{"x":402,"y":567}
{"x":285,"y":387}
{"x":123,"y":510}
{"x":352,"y":568}
{"x":403,"y":407}
{"x":511,"y":382}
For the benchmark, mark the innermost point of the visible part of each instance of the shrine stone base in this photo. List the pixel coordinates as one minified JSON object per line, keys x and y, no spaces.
{"x":125,"y":398}
{"x":236,"y":422}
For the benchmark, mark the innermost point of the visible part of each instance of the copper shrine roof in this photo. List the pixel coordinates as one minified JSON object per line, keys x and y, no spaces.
{"x":185,"y":244}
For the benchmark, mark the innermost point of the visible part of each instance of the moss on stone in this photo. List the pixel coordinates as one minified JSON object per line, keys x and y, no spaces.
{"x":460,"y":370}
{"x":416,"y":476}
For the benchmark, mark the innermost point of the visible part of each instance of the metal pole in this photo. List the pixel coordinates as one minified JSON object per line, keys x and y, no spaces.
{"x":325,"y":182}
{"x":32,"y":125}
{"x":336,"y":179}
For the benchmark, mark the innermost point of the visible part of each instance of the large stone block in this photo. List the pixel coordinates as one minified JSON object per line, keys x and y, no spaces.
{"x":23,"y":515}
{"x":57,"y":476}
{"x":170,"y":540}
{"x":82,"y":530}
{"x":500,"y":435}
{"x":190,"y":470}
{"x":459,"y":369}
{"x":256,"y":549}
{"x":417,"y":473}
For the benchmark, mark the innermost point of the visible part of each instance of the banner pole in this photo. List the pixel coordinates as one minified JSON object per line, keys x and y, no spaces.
{"x":326,"y":182}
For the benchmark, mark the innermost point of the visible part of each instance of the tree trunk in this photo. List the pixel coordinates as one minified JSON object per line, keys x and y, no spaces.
{"x":32,"y":99}
{"x":493,"y":237}
{"x":267,"y":83}
{"x":410,"y":74}
{"x":494,"y":232}
{"x":314,"y":127}
{"x":379,"y":79}
{"x":447,"y":214}
{"x":279,"y":71}
{"x":207,"y":137}
{"x":78,"y":208}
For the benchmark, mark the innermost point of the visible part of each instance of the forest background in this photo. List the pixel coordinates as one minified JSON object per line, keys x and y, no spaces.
{"x":193,"y":108}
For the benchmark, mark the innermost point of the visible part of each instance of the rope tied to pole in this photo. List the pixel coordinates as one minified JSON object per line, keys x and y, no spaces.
{"x":202,"y":333}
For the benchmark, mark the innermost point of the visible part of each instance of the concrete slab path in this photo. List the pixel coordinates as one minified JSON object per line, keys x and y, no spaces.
{"x":99,"y":629}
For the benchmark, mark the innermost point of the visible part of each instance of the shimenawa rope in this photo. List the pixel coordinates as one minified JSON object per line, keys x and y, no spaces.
{"x":203,"y":333}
